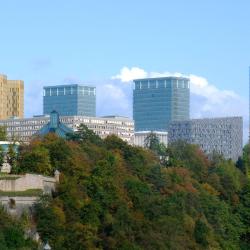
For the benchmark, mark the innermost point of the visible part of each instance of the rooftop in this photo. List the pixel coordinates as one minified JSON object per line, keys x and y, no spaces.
{"x":69,"y":85}
{"x":162,"y":78}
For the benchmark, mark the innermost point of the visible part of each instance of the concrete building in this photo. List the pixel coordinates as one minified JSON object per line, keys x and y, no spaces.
{"x":24,"y":129}
{"x":69,"y":100}
{"x":223,"y":135}
{"x":159,"y":101}
{"x":139,"y":137}
{"x":11,"y":98}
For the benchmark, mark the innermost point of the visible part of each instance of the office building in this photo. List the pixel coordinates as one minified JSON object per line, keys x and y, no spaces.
{"x":11,"y":98}
{"x":70,"y":100}
{"x":140,"y":137}
{"x":24,"y":129}
{"x":222,"y":135}
{"x":159,"y":101}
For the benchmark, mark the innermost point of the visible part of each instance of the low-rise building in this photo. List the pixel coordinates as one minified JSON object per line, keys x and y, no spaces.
{"x":222,"y":135}
{"x":140,"y":137}
{"x":24,"y":129}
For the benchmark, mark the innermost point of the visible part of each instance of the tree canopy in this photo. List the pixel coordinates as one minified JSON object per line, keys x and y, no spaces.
{"x":115,"y":196}
{"x":3,"y":133}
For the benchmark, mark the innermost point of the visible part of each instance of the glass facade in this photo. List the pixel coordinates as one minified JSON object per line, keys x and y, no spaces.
{"x":159,"y":101}
{"x":69,"y":100}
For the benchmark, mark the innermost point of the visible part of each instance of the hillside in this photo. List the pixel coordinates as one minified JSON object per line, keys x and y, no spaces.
{"x":115,"y":196}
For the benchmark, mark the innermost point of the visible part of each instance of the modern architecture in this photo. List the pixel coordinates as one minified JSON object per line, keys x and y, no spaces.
{"x":159,"y":101}
{"x":70,"y":100}
{"x":221,"y":135}
{"x":55,"y":126}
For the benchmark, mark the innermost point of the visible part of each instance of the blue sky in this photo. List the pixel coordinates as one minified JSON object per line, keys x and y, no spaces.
{"x":47,"y":42}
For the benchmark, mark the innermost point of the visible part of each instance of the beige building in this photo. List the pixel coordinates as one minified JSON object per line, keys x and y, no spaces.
{"x":11,"y":98}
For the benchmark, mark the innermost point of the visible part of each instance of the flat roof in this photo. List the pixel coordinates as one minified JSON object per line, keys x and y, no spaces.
{"x":47,"y":117}
{"x":210,"y":119}
{"x":70,"y":85}
{"x":162,"y":78}
{"x":148,"y":132}
{"x":115,"y":117}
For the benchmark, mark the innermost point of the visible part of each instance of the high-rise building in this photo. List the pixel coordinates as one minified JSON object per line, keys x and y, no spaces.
{"x":222,"y":135}
{"x":159,"y":101}
{"x":11,"y":98}
{"x":70,"y":100}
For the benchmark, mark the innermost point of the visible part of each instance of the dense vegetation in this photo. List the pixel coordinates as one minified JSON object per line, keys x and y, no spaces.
{"x":12,"y":234}
{"x":115,"y":196}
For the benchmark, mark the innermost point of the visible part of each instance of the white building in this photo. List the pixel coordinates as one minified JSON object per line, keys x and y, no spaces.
{"x":24,"y":129}
{"x":139,"y":137}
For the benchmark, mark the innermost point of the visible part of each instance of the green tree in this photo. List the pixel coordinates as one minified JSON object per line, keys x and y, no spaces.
{"x":12,"y":234}
{"x":84,"y":134}
{"x":246,"y":160}
{"x":191,"y":157}
{"x":201,"y":232}
{"x":112,"y":195}
{"x":244,"y":212}
{"x":3,"y":133}
{"x":2,"y":156}
{"x":35,"y":161}
{"x":11,"y":155}
{"x":152,"y":142}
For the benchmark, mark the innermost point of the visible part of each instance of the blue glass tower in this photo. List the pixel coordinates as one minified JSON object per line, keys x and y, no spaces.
{"x":159,"y":101}
{"x":69,"y":100}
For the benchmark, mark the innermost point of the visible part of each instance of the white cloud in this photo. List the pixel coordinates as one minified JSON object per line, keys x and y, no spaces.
{"x":114,"y":98}
{"x":127,"y":75}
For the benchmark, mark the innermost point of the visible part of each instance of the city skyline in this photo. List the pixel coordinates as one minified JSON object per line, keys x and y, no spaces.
{"x":107,"y":43}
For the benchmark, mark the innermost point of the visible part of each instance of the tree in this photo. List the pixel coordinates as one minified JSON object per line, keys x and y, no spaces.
{"x":84,"y":134}
{"x":11,"y":155}
{"x":189,"y":156}
{"x":246,"y":160}
{"x":2,"y":156}
{"x":201,"y":232}
{"x":3,"y":133}
{"x":35,"y":161}
{"x":152,"y":142}
{"x":244,"y":212}
{"x":12,"y":234}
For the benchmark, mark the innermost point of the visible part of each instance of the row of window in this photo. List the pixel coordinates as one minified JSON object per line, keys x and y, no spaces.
{"x":69,"y":91}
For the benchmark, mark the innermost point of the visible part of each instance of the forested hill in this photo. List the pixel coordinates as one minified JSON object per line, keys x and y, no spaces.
{"x":115,"y":196}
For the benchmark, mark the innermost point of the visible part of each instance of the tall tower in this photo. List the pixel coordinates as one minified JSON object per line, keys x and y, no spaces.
{"x":70,"y":100}
{"x":159,"y":101}
{"x":11,"y":98}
